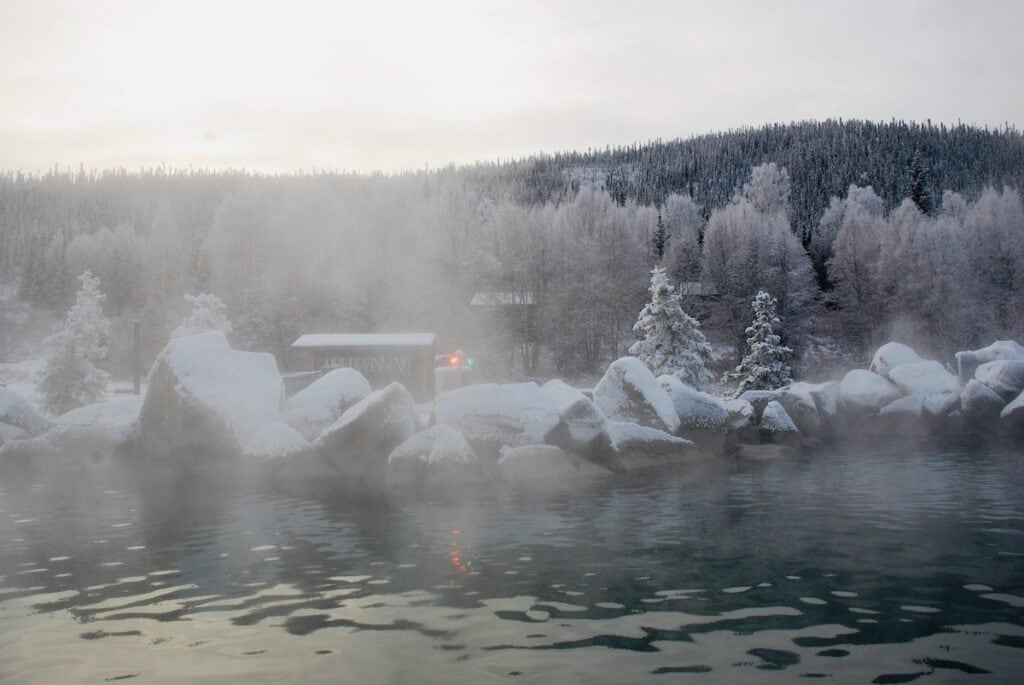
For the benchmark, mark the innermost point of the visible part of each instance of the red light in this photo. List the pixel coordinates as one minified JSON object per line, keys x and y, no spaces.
{"x":453,"y":360}
{"x":456,"y":532}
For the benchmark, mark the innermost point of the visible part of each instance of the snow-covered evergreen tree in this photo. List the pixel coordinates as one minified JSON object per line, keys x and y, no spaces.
{"x":672,"y":340}
{"x":71,"y":378}
{"x":766,"y":366}
{"x":207,"y":315}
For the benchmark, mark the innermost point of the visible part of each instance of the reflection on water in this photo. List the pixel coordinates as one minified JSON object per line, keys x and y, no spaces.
{"x":860,"y":567}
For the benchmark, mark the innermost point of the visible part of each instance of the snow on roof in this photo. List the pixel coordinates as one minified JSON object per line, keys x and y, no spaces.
{"x":319,"y":340}
{"x":501,"y":298}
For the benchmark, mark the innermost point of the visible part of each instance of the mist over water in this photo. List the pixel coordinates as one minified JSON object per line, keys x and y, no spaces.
{"x":861,"y":565}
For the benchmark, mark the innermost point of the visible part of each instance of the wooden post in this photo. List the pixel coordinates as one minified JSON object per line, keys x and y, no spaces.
{"x":137,"y":356}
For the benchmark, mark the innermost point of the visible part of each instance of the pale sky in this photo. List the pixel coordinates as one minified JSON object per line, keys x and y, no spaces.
{"x":302,"y":85}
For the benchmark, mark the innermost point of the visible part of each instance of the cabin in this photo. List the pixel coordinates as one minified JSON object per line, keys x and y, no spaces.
{"x":382,"y":357}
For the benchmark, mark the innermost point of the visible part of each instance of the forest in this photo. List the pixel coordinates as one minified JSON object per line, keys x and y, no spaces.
{"x":864,"y":232}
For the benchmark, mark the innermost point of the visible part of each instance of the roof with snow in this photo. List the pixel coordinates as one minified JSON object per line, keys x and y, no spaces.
{"x":496,"y":299}
{"x":326,"y":340}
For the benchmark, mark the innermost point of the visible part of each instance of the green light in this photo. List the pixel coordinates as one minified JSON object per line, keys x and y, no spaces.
{"x":470,"y":361}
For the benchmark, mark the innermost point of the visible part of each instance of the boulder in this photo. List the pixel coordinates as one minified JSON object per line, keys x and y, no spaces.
{"x":979,"y":403}
{"x":909,"y":407}
{"x":31,"y":452}
{"x":635,"y":447}
{"x":491,"y":415}
{"x":891,"y":355}
{"x":774,"y":419}
{"x":1005,"y":377}
{"x":207,"y":401}
{"x":798,"y":401}
{"x":865,"y":392}
{"x":968,"y":361}
{"x":438,"y":457}
{"x":323,"y":401}
{"x":1012,"y":414}
{"x":741,"y":414}
{"x":630,"y":392}
{"x":583,"y":428}
{"x":924,"y":379}
{"x":546,"y":466}
{"x":359,"y":443}
{"x":97,"y":432}
{"x":759,"y":399}
{"x":15,"y":410}
{"x":942,"y":404}
{"x":696,"y":410}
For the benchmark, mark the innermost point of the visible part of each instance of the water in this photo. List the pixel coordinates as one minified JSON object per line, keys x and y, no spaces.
{"x":862,"y":567}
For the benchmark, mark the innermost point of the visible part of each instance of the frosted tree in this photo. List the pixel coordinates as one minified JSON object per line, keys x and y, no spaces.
{"x":672,"y":342}
{"x":71,"y":378}
{"x":766,"y":365}
{"x":207,"y":315}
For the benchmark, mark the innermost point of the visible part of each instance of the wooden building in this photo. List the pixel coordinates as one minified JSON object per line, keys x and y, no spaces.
{"x":382,"y":357}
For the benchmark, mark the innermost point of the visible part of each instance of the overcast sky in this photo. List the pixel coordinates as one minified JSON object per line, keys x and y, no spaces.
{"x":397,"y":85}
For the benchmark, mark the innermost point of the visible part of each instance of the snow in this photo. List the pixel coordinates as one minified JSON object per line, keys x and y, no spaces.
{"x":866,"y":392}
{"x":798,"y":401}
{"x":207,"y":315}
{"x":97,"y":429}
{"x":545,"y":466}
{"x":630,"y":392}
{"x":774,"y":419}
{"x":969,"y":360}
{"x":924,"y":379}
{"x":359,"y":442}
{"x":766,"y":365}
{"x":439,"y":455}
{"x":696,"y":410}
{"x":741,"y":413}
{"x":584,"y":422}
{"x":496,"y":415}
{"x":205,"y":397}
{"x":17,"y":411}
{"x":911,"y":405}
{"x":1005,"y":377}
{"x":323,"y":401}
{"x":891,"y":355}
{"x":322,"y":340}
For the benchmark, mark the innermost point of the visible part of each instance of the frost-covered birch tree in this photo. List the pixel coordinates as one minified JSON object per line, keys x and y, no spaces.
{"x":71,"y":377}
{"x":766,"y":365}
{"x":672,"y":340}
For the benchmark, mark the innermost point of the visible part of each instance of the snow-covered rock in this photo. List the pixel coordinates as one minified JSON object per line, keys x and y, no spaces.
{"x":1005,"y":377}
{"x":630,"y":392}
{"x":969,"y":360}
{"x":741,"y":414}
{"x":97,"y":432}
{"x":634,"y":446}
{"x":924,"y":379}
{"x":774,"y":419}
{"x":911,"y":406}
{"x":1013,"y":413}
{"x":546,"y":466}
{"x":583,"y":428}
{"x":436,"y":457}
{"x":865,"y":392}
{"x":798,"y":401}
{"x":30,"y":452}
{"x":323,"y":401}
{"x":491,"y":415}
{"x":759,"y":399}
{"x":359,"y":443}
{"x":891,"y":355}
{"x":207,"y":400}
{"x":15,"y":410}
{"x":980,"y":403}
{"x":696,"y":410}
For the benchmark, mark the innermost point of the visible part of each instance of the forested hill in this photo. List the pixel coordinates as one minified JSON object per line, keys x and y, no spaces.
{"x":823,"y":159}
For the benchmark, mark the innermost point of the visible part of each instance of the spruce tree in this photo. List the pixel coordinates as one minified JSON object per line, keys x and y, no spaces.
{"x":207,"y":315}
{"x":672,"y":340}
{"x":766,"y":365}
{"x":71,"y":378}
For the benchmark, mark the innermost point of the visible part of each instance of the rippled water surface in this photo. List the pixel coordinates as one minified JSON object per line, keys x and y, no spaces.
{"x":857,"y":567}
